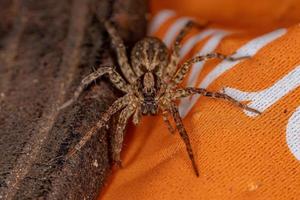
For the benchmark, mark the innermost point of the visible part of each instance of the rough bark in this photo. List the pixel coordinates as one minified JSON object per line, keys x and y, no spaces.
{"x":46,"y":48}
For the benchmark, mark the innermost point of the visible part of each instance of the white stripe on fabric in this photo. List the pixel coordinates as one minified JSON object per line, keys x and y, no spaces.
{"x":190,"y":43}
{"x":208,"y":47}
{"x":251,"y":48}
{"x":159,"y":19}
{"x":264,"y":99}
{"x":293,"y":134}
{"x":174,"y":30}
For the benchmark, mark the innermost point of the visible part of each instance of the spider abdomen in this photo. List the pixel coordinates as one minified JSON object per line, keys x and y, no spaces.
{"x":149,"y":54}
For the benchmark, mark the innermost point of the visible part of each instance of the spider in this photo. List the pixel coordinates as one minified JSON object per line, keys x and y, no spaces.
{"x":151,"y":86}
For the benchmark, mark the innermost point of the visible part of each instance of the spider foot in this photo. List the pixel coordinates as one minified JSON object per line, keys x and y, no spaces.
{"x":242,"y":105}
{"x":234,"y":57}
{"x":70,"y":154}
{"x":252,"y":110}
{"x":117,"y":160}
{"x":230,"y":57}
{"x":118,"y":163}
{"x":66,"y":104}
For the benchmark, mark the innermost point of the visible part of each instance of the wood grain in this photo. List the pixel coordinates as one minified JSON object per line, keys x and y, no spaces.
{"x":46,"y":48}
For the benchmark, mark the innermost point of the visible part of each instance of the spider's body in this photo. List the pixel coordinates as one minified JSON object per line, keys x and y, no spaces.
{"x":151,"y":86}
{"x":149,"y":56}
{"x":149,"y":94}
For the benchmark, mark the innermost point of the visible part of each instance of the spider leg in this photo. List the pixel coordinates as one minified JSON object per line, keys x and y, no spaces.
{"x":115,"y":107}
{"x":167,"y":121}
{"x":171,"y":68}
{"x":115,"y":78}
{"x":184,"y":136}
{"x":117,"y":138}
{"x":180,"y":93}
{"x":137,"y":116}
{"x":185,"y":67}
{"x":121,"y":52}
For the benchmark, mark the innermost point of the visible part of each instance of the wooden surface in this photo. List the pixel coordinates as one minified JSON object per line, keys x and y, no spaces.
{"x":46,"y":48}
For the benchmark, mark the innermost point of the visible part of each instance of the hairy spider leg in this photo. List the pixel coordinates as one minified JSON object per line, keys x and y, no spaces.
{"x":114,"y":77}
{"x":115,"y":107}
{"x":167,"y":121}
{"x":174,"y":59}
{"x":185,"y":67}
{"x":118,"y":137}
{"x":180,"y":93}
{"x":180,"y":127}
{"x":137,"y":116}
{"x":121,"y":52}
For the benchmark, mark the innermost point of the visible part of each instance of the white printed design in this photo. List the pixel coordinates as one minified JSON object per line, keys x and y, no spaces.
{"x":210,"y":46}
{"x":174,"y":30}
{"x":293,"y":133}
{"x":159,"y":19}
{"x":264,"y":99}
{"x":249,"y":49}
{"x":260,"y":100}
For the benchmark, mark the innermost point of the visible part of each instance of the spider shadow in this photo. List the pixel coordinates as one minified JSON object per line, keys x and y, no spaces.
{"x":131,"y":133}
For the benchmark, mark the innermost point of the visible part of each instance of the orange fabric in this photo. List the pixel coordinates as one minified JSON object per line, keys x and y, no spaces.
{"x":240,"y":156}
{"x":245,"y":13}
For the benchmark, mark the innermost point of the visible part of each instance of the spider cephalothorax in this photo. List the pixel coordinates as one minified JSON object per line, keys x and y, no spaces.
{"x":151,"y":86}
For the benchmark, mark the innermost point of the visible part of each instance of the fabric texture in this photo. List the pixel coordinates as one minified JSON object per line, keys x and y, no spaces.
{"x":240,"y":155}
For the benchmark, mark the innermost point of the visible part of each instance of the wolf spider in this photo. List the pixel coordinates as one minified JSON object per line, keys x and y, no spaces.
{"x":151,"y":86}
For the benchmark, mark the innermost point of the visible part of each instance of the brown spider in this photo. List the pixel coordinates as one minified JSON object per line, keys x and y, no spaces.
{"x":150,"y":87}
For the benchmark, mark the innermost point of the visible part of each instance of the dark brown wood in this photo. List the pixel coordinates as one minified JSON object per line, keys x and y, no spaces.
{"x":46,"y":48}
